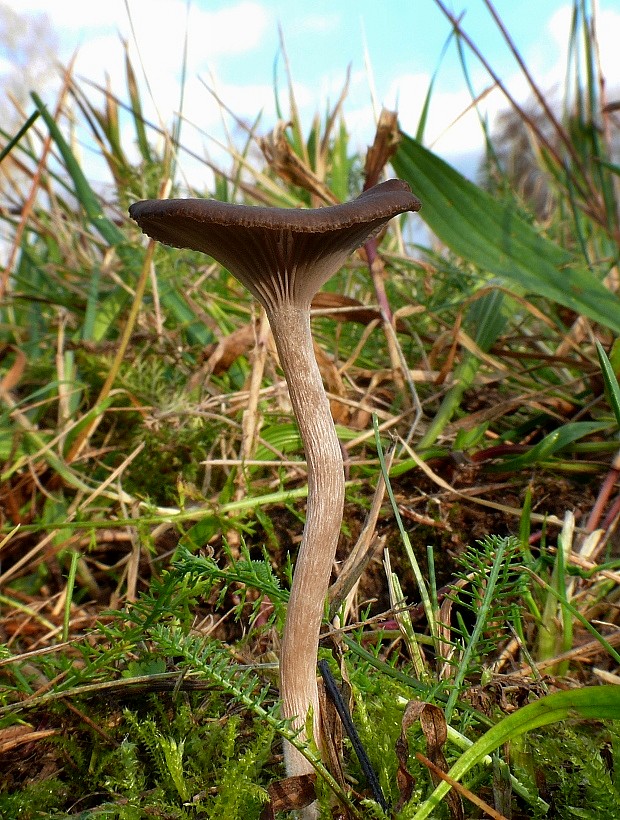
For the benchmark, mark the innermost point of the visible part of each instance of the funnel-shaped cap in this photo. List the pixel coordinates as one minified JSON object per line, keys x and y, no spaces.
{"x":279,"y":254}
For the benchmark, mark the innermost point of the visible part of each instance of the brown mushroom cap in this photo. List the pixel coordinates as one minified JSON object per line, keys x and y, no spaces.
{"x":279,"y":254}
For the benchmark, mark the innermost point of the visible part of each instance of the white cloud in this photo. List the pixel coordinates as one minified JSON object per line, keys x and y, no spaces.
{"x":454,"y":131}
{"x":160,"y":27}
{"x":244,"y":100}
{"x":450,"y":123}
{"x":100,"y":57}
{"x":228,"y":31}
{"x":330,"y":86}
{"x":318,"y":23}
{"x":453,"y":126}
{"x":231,"y":29}
{"x":95,"y":34}
{"x":361,"y":123}
{"x":73,"y":15}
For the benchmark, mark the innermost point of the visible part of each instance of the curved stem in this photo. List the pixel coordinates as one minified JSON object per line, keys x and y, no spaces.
{"x":298,"y":688}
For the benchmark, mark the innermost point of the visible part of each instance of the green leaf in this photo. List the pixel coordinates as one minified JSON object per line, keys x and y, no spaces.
{"x":90,"y":315}
{"x":174,"y":302}
{"x":283,"y":438}
{"x":614,"y":357}
{"x":86,"y":422}
{"x":200,"y":533}
{"x":485,"y":321}
{"x":588,"y":703}
{"x":14,"y":140}
{"x":612,"y":387}
{"x":493,"y":236}
{"x":552,"y":443}
{"x":88,"y":199}
{"x":106,"y":317}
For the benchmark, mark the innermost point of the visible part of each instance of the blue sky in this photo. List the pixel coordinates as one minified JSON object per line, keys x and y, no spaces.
{"x":232,"y":46}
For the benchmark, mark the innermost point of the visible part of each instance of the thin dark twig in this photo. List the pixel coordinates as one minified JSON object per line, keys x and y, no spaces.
{"x":496,"y":79}
{"x":331,"y":688}
{"x":560,"y":131}
{"x":513,"y":102}
{"x":604,"y":494}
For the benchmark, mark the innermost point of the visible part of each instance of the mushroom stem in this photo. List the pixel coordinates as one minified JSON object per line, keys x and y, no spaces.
{"x":290,"y":325}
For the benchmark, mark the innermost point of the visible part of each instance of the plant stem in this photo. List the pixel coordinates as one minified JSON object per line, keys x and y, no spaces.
{"x":291,"y":330}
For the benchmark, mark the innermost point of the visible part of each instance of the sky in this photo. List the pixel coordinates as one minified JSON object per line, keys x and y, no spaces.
{"x":392,"y":48}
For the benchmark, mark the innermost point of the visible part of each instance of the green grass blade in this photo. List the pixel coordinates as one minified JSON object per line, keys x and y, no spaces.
{"x":173,"y":301}
{"x":495,"y":237}
{"x":525,"y":525}
{"x":486,"y":317}
{"x":611,"y":381}
{"x":566,"y":604}
{"x":611,"y":166}
{"x":551,"y":444}
{"x":341,"y":164}
{"x":422,"y":587}
{"x":14,"y":140}
{"x":589,"y":703}
{"x":105,"y":317}
{"x":87,"y":197}
{"x":90,"y":314}
{"x":429,"y":92}
{"x":66,"y":623}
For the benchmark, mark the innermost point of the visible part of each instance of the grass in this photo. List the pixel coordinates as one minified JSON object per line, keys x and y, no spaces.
{"x":152,"y":484}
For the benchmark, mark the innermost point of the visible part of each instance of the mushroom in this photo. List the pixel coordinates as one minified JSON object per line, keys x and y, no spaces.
{"x":284,"y":256}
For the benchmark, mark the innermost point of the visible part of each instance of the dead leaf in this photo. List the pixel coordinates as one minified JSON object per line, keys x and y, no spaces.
{"x":435,"y":729}
{"x":289,"y":794}
{"x":15,"y":371}
{"x":291,"y":168}
{"x":387,"y":138}
{"x":221,"y":355}
{"x":331,"y":728}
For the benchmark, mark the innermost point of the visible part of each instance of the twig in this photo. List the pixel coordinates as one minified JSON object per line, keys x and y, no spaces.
{"x":333,"y":692}
{"x":473,"y":798}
